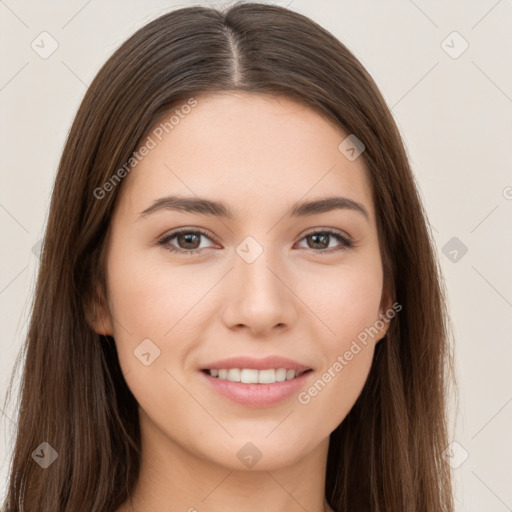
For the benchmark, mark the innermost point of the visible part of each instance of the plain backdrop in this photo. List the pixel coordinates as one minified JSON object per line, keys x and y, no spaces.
{"x":444,"y":69}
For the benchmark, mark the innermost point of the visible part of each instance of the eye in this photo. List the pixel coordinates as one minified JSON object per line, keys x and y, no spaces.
{"x":190,"y":241}
{"x":188,"y":238}
{"x":321,"y":238}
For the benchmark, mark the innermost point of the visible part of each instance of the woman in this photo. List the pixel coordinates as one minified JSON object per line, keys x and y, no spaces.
{"x":238,"y":303}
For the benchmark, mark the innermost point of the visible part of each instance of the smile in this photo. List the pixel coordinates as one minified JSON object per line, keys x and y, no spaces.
{"x":256,"y":394}
{"x":254,"y":376}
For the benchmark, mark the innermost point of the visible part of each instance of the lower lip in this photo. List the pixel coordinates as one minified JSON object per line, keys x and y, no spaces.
{"x":257,"y":395}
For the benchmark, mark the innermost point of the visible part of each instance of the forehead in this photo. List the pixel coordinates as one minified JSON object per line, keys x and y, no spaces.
{"x":254,"y":152}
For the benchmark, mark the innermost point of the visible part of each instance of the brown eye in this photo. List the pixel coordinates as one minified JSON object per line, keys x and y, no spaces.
{"x":188,"y":241}
{"x":321,"y":240}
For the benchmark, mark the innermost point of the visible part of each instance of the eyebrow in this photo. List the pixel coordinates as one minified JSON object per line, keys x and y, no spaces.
{"x":202,"y":206}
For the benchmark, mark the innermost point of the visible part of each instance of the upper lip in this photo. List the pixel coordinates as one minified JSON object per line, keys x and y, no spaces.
{"x":257,"y":363}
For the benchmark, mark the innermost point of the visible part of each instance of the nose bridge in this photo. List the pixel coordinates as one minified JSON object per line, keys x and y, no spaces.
{"x":255,"y":259}
{"x":259,"y":297}
{"x":256,"y":276}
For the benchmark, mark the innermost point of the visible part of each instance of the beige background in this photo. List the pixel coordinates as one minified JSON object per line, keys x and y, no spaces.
{"x":454,"y":112}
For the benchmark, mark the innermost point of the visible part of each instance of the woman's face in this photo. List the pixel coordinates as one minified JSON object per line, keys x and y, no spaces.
{"x":257,"y":284}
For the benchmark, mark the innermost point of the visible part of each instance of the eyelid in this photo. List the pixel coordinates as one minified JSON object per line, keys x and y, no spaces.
{"x":332,"y":231}
{"x":164,"y":239}
{"x":342,"y":236}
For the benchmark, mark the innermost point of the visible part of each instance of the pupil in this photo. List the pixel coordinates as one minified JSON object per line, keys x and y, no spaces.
{"x":324,"y":237}
{"x":187,"y":237}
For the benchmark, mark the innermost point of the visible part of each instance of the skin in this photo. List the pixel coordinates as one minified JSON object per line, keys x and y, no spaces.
{"x":259,"y":155}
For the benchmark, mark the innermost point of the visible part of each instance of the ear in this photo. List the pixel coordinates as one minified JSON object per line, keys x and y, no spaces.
{"x":386,"y":305}
{"x":98,"y":313}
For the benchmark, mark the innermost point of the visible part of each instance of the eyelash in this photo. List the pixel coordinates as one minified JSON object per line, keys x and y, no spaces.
{"x":164,"y":241}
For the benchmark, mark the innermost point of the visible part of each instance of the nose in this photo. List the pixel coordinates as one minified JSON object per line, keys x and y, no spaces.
{"x":259,"y":296}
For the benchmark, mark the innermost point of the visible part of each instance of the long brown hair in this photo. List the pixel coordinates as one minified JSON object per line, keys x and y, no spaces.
{"x":387,"y":453}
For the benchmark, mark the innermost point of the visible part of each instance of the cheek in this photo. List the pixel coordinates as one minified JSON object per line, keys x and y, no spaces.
{"x":148,"y":299}
{"x":330,"y":397}
{"x":348,"y":305}
{"x":150,"y":302}
{"x":346,"y":300}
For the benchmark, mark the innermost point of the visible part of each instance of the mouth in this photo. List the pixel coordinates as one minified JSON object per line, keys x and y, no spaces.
{"x":249,"y":387}
{"x":254,"y":381}
{"x":255,"y":376}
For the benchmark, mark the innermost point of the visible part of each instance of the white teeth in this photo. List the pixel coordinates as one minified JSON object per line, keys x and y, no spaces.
{"x":234,"y":374}
{"x":280,"y":374}
{"x":252,"y":376}
{"x":249,"y":376}
{"x":267,"y":376}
